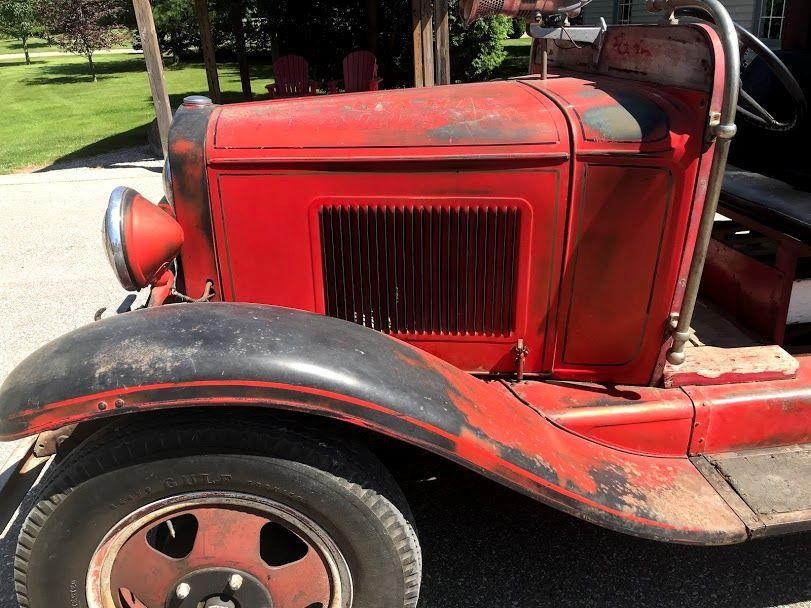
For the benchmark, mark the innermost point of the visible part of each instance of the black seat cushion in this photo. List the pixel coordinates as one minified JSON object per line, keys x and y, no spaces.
{"x":769,"y":201}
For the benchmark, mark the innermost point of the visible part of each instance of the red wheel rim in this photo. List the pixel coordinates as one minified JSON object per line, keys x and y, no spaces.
{"x":183,"y":550}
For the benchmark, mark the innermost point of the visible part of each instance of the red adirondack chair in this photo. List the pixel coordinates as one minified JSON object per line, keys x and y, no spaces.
{"x":360,"y":73}
{"x":292,"y":78}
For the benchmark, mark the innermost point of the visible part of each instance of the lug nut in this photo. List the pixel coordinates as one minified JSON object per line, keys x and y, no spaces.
{"x":235,"y":582}
{"x":182,"y":591}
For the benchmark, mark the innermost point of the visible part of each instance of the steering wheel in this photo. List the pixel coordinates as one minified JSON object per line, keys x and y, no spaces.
{"x":748,"y":108}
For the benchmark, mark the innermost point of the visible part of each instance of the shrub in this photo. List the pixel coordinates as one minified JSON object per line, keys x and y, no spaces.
{"x":519,"y":28}
{"x":477,"y":50}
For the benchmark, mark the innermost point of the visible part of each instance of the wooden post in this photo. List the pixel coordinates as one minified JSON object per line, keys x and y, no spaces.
{"x":154,"y":67}
{"x":427,"y":17}
{"x":422,"y":17}
{"x":416,"y":20}
{"x":237,"y":14}
{"x":372,"y":12}
{"x":442,"y":40}
{"x":207,"y":46}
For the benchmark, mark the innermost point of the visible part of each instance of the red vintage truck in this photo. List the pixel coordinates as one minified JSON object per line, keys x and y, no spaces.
{"x":504,"y":274}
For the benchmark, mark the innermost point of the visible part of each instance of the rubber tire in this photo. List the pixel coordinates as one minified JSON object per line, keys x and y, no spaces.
{"x":344,"y":489}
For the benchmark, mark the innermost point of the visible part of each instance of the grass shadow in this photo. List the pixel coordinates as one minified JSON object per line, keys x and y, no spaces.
{"x":15,"y":46}
{"x":79,"y":71}
{"x":21,"y":62}
{"x":119,"y":150}
{"x":516,"y":63}
{"x":261,"y":75}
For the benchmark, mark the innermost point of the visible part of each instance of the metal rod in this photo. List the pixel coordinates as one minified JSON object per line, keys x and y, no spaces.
{"x":723,"y":128}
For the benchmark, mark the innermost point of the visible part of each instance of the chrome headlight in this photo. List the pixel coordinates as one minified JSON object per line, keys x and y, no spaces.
{"x":140,"y":238}
{"x":168,"y":189}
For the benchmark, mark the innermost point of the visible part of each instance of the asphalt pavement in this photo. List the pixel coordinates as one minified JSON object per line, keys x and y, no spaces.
{"x":484,"y":546}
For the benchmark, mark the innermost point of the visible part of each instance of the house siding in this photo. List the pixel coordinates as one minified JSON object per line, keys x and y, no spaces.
{"x":742,"y":11}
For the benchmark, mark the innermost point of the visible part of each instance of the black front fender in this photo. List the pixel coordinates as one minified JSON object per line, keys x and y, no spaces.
{"x":221,"y":354}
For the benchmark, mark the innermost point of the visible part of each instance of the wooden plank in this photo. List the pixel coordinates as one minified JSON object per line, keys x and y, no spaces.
{"x":416,"y":21}
{"x":735,"y":502}
{"x":442,"y":42}
{"x":237,"y":15}
{"x":707,"y":365}
{"x":154,"y":68}
{"x":427,"y":19}
{"x":207,"y":47}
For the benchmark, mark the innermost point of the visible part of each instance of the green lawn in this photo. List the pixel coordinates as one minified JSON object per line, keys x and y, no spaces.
{"x":517,"y":61}
{"x":35,"y":45}
{"x":53,"y":110}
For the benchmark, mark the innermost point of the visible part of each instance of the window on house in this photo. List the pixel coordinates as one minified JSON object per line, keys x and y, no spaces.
{"x":772,"y":14}
{"x":624,"y":8}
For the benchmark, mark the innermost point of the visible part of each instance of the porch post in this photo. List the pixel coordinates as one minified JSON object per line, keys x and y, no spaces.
{"x":416,"y":21}
{"x":207,"y":46}
{"x":422,"y":14}
{"x":427,"y":17}
{"x":372,"y":13}
{"x":442,"y":40}
{"x":154,"y":68}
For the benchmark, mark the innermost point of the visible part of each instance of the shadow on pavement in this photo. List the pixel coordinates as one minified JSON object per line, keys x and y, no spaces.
{"x":122,"y":150}
{"x":485,"y":546}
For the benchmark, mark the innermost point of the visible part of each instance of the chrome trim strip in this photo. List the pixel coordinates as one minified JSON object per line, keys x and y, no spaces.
{"x":168,"y":187}
{"x":113,"y":236}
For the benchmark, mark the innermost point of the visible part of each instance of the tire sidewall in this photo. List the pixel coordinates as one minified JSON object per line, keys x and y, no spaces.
{"x":86,"y":512}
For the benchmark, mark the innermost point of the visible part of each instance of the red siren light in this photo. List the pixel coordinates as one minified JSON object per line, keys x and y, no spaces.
{"x":141,"y":238}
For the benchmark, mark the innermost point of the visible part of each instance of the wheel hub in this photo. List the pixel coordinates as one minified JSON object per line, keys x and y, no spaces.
{"x":219,"y":588}
{"x":219,"y":602}
{"x":218,"y":550}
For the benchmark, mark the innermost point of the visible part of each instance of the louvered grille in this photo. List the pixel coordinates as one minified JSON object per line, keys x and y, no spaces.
{"x":417,"y":270}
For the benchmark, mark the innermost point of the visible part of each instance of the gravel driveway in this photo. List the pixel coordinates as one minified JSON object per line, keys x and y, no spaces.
{"x":485,"y":547}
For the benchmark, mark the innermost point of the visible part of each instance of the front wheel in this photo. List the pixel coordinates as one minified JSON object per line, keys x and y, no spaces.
{"x":216,"y":513}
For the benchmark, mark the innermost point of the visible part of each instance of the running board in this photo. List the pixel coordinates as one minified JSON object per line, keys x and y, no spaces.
{"x":769,"y":489}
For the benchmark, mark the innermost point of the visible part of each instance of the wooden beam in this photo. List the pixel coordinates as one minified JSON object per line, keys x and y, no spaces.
{"x":427,"y":18}
{"x":442,"y":42}
{"x":207,"y":47}
{"x":154,"y":67}
{"x":416,"y":21}
{"x":237,"y":15}
{"x":372,"y":31}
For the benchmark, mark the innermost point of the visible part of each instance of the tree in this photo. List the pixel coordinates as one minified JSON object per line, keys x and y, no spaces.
{"x":519,"y":28}
{"x":477,"y":50}
{"x":176,"y":24}
{"x":83,"y":26}
{"x":18,"y":19}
